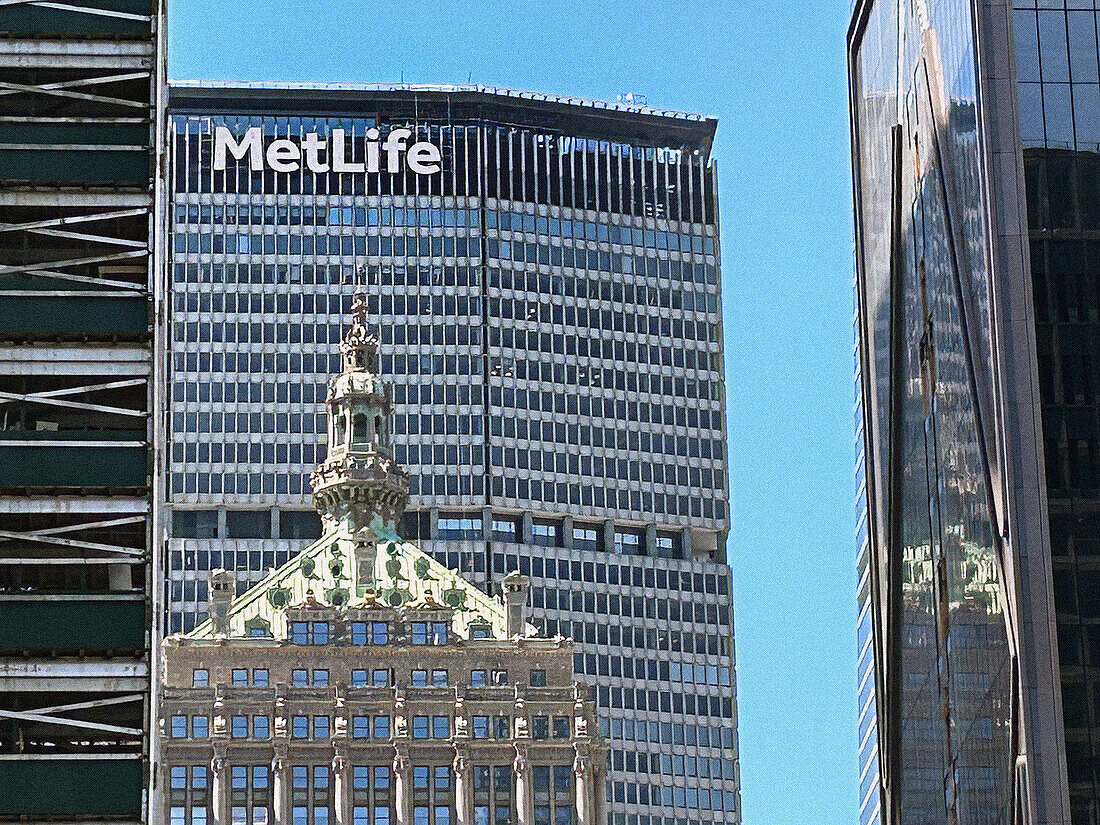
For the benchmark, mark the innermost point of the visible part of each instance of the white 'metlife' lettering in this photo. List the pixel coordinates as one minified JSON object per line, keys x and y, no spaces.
{"x":321,"y":154}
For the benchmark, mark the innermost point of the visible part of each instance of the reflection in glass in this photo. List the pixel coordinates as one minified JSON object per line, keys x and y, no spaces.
{"x":1058,"y":114}
{"x":1027,"y":46}
{"x":1082,"y":45}
{"x":1086,"y":116}
{"x":1031,"y":114}
{"x":1053,"y":48}
{"x":928,"y":345}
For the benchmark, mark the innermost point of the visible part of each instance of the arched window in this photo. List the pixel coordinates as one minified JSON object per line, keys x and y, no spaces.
{"x":378,"y":428}
{"x":359,"y":429}
{"x":340,"y":428}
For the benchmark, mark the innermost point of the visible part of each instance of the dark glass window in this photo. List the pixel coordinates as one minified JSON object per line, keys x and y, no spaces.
{"x":195,"y":524}
{"x":546,"y":533}
{"x":299,"y":524}
{"x":248,"y":524}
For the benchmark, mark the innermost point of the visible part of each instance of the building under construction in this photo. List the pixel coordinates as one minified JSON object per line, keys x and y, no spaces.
{"x":81,"y":251}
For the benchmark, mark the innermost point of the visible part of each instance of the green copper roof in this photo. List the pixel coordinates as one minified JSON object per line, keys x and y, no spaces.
{"x":403,"y":575}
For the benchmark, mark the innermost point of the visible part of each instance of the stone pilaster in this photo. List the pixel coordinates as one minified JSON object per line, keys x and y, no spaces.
{"x":402,"y":784}
{"x":280,"y":785}
{"x":464,"y":791}
{"x":584,"y":780}
{"x":525,"y":796}
{"x":219,"y":787}
{"x":341,"y":783}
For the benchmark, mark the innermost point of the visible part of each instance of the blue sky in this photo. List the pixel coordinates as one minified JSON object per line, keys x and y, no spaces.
{"x":773,"y":73}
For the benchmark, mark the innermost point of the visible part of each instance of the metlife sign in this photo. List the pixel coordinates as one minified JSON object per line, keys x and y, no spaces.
{"x":392,"y":153}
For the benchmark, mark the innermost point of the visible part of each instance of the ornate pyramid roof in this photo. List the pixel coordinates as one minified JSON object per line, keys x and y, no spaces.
{"x":333,"y":574}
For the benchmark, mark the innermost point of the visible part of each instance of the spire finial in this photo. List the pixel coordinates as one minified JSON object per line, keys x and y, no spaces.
{"x":359,"y":308}
{"x":359,"y":346}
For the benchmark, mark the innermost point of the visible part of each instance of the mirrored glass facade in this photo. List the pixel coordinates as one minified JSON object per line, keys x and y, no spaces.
{"x":950,"y":730}
{"x":1013,"y":199}
{"x":548,"y":304}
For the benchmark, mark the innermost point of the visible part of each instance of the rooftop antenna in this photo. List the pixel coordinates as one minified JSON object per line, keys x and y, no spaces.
{"x":634,"y":98}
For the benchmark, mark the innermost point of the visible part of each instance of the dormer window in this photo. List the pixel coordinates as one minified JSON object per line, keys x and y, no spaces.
{"x":429,"y":633}
{"x":480,"y":629}
{"x":370,"y":633}
{"x":310,"y":633}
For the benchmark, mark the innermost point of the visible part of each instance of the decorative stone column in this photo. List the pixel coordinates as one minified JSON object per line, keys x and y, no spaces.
{"x":584,"y":778}
{"x":525,"y":799}
{"x":402,"y":790}
{"x":219,"y":739}
{"x":280,"y":761}
{"x":464,"y":796}
{"x":586,"y":763}
{"x":341,"y":782}
{"x":598,"y":783}
{"x":280,"y":790}
{"x":219,"y":792}
{"x":464,"y":792}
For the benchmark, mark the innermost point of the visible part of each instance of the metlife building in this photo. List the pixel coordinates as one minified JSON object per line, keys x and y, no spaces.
{"x":544,"y":277}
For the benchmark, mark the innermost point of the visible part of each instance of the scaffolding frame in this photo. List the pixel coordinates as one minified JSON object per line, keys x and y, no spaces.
{"x":82,"y":397}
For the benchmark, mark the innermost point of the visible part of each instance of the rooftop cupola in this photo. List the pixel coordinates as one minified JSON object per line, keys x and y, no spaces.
{"x":359,"y":481}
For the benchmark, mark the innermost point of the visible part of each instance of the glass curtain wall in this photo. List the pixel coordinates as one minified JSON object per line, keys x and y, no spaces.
{"x":941,"y":638}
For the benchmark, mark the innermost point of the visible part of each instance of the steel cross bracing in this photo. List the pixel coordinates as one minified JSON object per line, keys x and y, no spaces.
{"x":81,"y":362}
{"x":78,"y":8}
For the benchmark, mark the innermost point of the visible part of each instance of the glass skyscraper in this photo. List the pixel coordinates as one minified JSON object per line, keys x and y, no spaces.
{"x":543,"y":273}
{"x":976,"y":155}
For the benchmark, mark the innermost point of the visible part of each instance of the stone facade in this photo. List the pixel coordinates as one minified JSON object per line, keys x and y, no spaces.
{"x":294,"y":733}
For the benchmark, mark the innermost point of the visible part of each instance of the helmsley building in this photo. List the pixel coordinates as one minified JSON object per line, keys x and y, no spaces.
{"x":363,"y":683}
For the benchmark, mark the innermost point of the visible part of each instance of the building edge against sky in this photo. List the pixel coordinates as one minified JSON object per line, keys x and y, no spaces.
{"x":870,"y":812}
{"x":962,"y":594}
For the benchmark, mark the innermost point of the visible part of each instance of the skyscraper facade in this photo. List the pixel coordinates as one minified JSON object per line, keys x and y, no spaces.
{"x":975,"y":140}
{"x":544,"y":276}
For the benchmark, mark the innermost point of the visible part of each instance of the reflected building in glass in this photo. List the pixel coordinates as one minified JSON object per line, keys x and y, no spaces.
{"x":543,"y":274}
{"x":976,"y":164}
